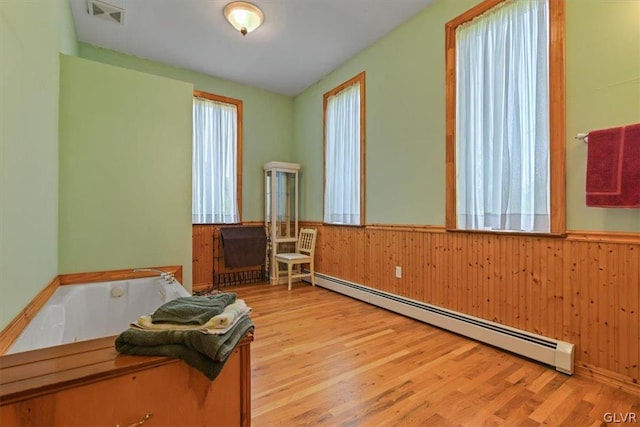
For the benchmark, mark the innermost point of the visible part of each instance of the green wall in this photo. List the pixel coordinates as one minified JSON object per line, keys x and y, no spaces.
{"x":88,"y":220}
{"x":405,"y":140}
{"x":603,"y":90}
{"x":125,"y":169}
{"x":267,"y":122}
{"x":32,"y":33}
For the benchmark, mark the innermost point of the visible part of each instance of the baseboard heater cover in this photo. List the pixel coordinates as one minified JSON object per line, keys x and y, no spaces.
{"x":559,"y":354}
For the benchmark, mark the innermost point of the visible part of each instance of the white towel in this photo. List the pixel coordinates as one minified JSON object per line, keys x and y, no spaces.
{"x":228,"y":316}
{"x":217,"y":325}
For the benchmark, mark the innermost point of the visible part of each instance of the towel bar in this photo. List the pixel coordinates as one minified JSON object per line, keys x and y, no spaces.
{"x":583,"y":136}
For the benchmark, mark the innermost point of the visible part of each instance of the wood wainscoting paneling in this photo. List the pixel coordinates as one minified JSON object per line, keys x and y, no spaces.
{"x":202,"y":238}
{"x":583,"y":289}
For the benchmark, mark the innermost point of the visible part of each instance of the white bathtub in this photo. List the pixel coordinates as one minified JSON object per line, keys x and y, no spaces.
{"x":86,"y":311}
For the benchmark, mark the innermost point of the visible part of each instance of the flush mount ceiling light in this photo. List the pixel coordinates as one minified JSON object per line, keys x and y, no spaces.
{"x":245,"y":17}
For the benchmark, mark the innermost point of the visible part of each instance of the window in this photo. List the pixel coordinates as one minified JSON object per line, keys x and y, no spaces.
{"x":217,"y":154}
{"x":344,"y":135}
{"x":505,"y":117}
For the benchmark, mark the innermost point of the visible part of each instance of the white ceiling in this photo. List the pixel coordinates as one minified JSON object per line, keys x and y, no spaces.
{"x":300,"y":42}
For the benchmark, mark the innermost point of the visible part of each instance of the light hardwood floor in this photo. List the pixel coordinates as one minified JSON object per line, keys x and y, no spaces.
{"x":323,"y":359}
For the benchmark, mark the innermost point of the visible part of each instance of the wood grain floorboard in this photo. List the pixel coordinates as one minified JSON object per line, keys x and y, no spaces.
{"x":323,"y":359}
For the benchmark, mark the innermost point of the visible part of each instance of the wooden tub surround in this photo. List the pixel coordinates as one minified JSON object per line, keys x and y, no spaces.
{"x":90,"y":383}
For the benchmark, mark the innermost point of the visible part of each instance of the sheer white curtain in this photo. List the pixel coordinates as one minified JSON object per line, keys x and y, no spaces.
{"x":214,"y":162}
{"x":342,"y":157}
{"x":502,"y":118}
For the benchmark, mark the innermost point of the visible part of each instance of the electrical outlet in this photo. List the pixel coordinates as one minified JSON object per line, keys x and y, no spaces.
{"x":398,"y":272}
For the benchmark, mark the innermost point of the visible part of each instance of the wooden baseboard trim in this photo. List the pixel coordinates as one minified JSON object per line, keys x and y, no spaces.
{"x":13,"y":330}
{"x":604,"y":376}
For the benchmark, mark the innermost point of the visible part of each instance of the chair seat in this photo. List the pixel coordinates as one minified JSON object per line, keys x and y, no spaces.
{"x":305,"y":250}
{"x":292,"y":257}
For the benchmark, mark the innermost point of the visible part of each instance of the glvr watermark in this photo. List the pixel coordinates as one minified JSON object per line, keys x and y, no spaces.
{"x":620,"y":417}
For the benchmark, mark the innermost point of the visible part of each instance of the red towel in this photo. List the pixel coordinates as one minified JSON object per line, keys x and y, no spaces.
{"x":613,"y":167}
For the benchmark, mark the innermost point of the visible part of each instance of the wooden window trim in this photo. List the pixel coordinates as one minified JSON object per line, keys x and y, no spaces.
{"x":239,"y":112}
{"x":360,"y":78}
{"x":557,"y":135}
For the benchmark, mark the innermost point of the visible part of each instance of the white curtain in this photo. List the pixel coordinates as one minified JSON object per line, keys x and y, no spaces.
{"x":502,"y":118}
{"x":214,"y":162}
{"x":342,"y":158}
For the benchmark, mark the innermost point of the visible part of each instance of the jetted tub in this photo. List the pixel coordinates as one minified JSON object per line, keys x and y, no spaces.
{"x":93,"y":310}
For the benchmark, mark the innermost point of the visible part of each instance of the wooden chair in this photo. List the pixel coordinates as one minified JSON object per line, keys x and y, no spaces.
{"x":305,"y":251}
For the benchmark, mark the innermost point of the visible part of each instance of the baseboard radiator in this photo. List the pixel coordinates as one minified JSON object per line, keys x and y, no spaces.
{"x":556,"y":353}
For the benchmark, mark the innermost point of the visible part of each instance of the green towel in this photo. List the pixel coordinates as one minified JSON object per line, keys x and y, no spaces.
{"x":195,"y":310}
{"x":205,"y":352}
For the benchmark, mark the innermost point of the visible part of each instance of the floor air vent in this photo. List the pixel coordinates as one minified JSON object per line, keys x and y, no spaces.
{"x":106,"y":11}
{"x":546,"y":350}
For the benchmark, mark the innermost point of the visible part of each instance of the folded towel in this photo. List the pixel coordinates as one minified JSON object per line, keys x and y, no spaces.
{"x":213,"y":326}
{"x":223,"y":320}
{"x":193,"y":310}
{"x":613,"y":167}
{"x":229,"y":315}
{"x":205,"y":352}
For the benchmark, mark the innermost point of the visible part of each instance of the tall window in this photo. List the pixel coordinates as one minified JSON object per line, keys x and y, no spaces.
{"x":344,"y":135}
{"x":217,"y":150}
{"x":502,"y":117}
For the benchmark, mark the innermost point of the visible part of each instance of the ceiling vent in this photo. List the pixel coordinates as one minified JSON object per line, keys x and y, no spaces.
{"x":106,"y":11}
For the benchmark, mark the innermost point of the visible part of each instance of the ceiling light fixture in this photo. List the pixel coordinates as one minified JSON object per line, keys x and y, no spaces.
{"x":245,"y":17}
